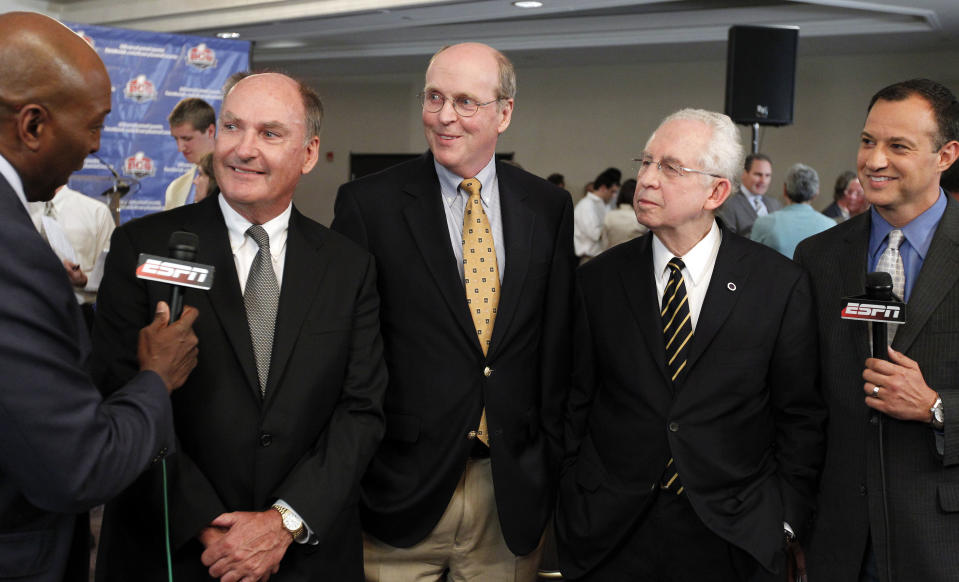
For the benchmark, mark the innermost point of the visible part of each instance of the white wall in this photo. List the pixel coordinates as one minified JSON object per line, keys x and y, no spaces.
{"x":580,"y":120}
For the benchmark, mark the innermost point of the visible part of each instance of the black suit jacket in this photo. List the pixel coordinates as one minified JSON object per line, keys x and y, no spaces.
{"x":436,"y":366}
{"x":743,"y":424}
{"x":833,"y":211}
{"x":64,"y":450}
{"x":922,"y":485}
{"x":308,"y":442}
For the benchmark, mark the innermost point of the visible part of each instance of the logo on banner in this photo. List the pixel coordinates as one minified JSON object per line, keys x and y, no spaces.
{"x":201,"y":57}
{"x":140,"y":89}
{"x":139,"y":166}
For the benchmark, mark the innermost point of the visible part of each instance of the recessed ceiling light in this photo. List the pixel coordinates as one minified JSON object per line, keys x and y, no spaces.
{"x":528,"y":4}
{"x":228,"y":35}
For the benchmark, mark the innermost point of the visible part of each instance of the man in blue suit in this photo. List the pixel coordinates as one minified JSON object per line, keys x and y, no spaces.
{"x":64,"y":450}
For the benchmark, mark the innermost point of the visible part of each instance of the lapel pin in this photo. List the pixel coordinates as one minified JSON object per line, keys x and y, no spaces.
{"x":731,"y":286}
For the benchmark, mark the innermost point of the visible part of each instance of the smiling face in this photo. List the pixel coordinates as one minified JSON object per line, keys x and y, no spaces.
{"x":898,"y":164}
{"x":464,"y":145}
{"x":756,"y":179}
{"x":261,"y":148}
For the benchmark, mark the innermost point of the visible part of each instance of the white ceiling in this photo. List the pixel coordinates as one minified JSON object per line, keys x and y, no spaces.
{"x":337,"y":37}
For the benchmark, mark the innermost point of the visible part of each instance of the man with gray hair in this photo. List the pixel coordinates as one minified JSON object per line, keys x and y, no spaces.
{"x":784,"y":229}
{"x":694,"y":426}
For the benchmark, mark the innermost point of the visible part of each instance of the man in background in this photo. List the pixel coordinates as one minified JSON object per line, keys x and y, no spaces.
{"x":848,"y":198}
{"x":750,"y":201}
{"x":193,"y":126}
{"x":64,"y":448}
{"x":86,"y":226}
{"x":590,"y":213}
{"x":782,"y":230}
{"x":475,"y":265}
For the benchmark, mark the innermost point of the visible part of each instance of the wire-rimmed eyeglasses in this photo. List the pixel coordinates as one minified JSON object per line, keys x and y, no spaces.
{"x":669,"y":168}
{"x":464,"y":106}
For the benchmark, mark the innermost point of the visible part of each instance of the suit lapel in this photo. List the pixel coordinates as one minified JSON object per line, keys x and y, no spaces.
{"x":225,"y":297}
{"x":518,"y":223}
{"x":303,"y":271}
{"x":853,"y":263}
{"x":731,"y":272}
{"x":427,"y":223}
{"x":939,"y":274}
{"x":639,"y":287}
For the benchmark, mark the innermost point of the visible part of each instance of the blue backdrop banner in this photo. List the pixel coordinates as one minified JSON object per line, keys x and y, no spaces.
{"x":150,"y":72}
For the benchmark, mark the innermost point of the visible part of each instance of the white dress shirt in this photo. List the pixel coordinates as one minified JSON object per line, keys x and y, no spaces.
{"x":588,"y":217}
{"x":699,"y":263}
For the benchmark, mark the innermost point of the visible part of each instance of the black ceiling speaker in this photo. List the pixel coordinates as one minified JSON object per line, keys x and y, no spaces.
{"x":761,"y":74}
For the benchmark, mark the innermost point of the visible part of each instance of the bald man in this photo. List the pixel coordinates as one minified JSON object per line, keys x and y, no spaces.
{"x":63,"y":449}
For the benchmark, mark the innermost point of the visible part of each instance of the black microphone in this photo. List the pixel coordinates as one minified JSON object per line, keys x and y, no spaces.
{"x":120,"y":185}
{"x":177,"y":269}
{"x":183,"y":246}
{"x":879,"y":288}
{"x":879,"y":306}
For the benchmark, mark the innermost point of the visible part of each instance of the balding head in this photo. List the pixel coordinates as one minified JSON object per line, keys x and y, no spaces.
{"x":54,"y":95}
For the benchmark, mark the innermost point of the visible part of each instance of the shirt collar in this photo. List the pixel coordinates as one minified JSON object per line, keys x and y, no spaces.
{"x":237,"y":226}
{"x":13,"y":178}
{"x":748,"y":194}
{"x":697,"y":260}
{"x":918,"y":233}
{"x":450,"y":182}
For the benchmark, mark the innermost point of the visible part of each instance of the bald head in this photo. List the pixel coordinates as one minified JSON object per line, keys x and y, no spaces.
{"x":54,"y":95}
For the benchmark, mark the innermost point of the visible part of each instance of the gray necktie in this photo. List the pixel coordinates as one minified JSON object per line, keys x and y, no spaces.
{"x":891,"y":262}
{"x":760,"y":206}
{"x":261,"y":297}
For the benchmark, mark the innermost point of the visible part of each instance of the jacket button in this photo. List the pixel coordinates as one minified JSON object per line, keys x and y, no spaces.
{"x":674,"y":427}
{"x":487,"y":371}
{"x":862,"y":490}
{"x":266,"y":439}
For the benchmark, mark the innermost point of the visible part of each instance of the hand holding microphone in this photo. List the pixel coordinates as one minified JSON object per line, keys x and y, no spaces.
{"x":168,"y":346}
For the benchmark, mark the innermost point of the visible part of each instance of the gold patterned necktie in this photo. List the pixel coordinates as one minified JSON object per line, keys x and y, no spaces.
{"x":677,"y":334}
{"x":480,"y":274}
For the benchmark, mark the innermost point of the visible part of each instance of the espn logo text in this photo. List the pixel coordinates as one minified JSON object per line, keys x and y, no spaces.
{"x":872,"y":312}
{"x":175,"y":272}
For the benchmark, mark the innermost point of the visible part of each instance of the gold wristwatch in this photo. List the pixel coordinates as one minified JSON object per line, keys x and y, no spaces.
{"x":291,"y":523}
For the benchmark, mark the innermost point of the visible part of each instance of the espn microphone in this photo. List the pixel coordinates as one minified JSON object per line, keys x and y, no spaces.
{"x":879,"y":306}
{"x":177,"y":270}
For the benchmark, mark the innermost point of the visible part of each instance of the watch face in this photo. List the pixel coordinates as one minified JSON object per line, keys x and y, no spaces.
{"x":937,"y":413}
{"x":291,"y":523}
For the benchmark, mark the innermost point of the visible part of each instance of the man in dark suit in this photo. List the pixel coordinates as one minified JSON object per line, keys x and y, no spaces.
{"x":888,"y":505}
{"x":284,"y":409}
{"x":692,"y":454}
{"x":848,"y":198}
{"x":463,"y":482}
{"x":64,"y":448}
{"x":749,"y":202}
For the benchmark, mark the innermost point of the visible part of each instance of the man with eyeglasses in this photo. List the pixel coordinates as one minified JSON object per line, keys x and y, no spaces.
{"x":463,"y":484}
{"x":693,"y":437}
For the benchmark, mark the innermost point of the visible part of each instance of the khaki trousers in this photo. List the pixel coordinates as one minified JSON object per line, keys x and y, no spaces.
{"x":466,"y":545}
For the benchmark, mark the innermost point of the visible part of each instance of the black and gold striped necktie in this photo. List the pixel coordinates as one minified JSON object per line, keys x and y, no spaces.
{"x":677,"y":333}
{"x":677,"y":325}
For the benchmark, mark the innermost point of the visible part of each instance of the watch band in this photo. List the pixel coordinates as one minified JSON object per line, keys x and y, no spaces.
{"x":292,"y":524}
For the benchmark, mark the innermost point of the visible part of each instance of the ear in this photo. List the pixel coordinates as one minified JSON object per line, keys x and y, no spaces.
{"x":312,"y":155}
{"x":718,"y":194}
{"x":948,"y":154}
{"x":211,"y":131}
{"x":506,"y":115}
{"x":32,"y":120}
